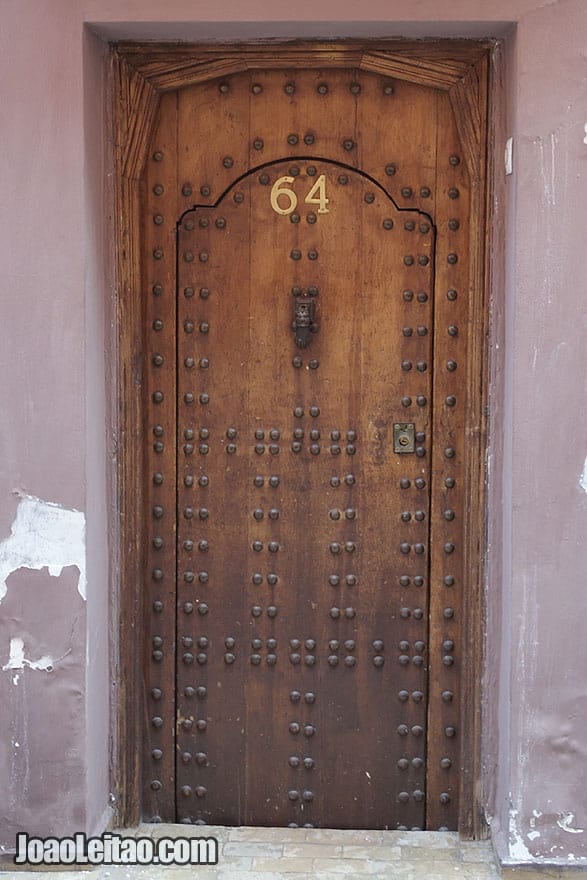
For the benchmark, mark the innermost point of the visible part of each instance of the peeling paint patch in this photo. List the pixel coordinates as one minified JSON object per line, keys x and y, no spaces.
{"x":17,"y":660}
{"x":565,"y":821}
{"x":519,"y":852}
{"x":44,"y":535}
{"x":583,"y":477}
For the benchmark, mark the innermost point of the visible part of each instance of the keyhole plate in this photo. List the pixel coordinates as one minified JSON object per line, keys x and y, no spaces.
{"x":404,"y":439}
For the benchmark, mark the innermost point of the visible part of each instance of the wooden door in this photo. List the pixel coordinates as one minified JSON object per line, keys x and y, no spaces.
{"x":305,"y":278}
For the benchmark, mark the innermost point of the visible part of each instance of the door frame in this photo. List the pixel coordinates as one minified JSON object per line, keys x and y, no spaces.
{"x":140,"y":74}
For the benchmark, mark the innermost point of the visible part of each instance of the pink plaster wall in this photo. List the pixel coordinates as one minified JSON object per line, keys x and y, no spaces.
{"x":56,"y":439}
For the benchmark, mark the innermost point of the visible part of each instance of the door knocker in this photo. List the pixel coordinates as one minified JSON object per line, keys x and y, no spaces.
{"x":303,"y":323}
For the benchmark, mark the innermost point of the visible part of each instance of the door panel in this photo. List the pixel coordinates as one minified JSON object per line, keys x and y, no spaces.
{"x":305,"y":573}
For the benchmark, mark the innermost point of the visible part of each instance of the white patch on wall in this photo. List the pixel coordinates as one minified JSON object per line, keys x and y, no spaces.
{"x":534,"y":834}
{"x":44,"y":535}
{"x":583,"y":477}
{"x":17,"y":660}
{"x":565,"y":820}
{"x":519,"y":852}
{"x":585,"y":130}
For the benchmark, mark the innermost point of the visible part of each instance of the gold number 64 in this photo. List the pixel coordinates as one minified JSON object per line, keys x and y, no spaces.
{"x":280,"y":190}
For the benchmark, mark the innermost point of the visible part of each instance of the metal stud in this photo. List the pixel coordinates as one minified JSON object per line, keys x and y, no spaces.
{"x":453,"y":193}
{"x":390,"y":169}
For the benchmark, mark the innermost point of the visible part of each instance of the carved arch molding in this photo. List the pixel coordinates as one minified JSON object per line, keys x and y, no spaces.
{"x":140,"y":75}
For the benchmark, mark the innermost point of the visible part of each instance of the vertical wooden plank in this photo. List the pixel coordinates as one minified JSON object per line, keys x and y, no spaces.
{"x":159,"y":214}
{"x":454,"y":289}
{"x":472,"y":821}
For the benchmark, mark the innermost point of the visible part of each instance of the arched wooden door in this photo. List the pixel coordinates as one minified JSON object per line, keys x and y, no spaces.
{"x":306,"y":277}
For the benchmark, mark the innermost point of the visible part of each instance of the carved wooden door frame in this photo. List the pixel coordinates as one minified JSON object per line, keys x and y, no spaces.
{"x":140,"y":75}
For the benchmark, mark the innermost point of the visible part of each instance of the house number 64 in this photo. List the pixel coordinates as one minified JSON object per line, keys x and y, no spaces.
{"x":284,"y":200}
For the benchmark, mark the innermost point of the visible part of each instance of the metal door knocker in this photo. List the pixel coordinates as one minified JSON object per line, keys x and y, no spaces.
{"x":303,"y":323}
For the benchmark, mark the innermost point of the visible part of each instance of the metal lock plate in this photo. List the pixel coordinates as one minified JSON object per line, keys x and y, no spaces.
{"x":404,"y":439}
